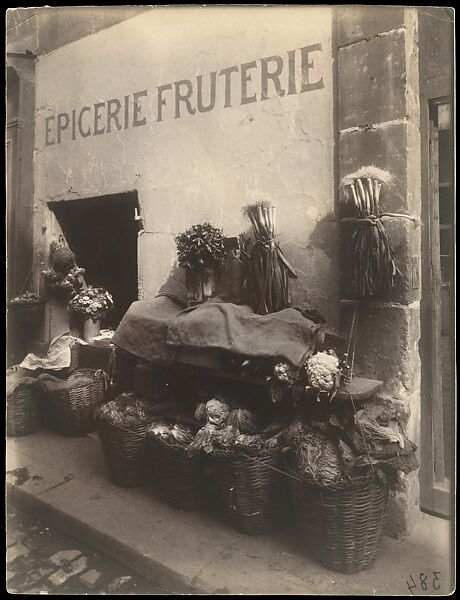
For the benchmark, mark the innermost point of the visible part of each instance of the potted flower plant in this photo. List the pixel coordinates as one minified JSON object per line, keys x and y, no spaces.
{"x":93,"y":303}
{"x":201,"y":252}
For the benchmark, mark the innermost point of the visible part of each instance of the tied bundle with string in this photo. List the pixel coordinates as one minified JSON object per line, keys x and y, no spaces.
{"x":375,"y":271}
{"x":268,"y":269}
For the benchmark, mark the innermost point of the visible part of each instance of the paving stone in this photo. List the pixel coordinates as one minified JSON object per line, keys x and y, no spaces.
{"x":15,"y":551}
{"x":10,"y":574}
{"x":70,"y":570}
{"x":90,"y":578}
{"x":64,"y":557}
{"x":15,"y":536}
{"x":31,"y":579}
{"x":51,"y":563}
{"x":39,"y":589}
{"x":38,"y":540}
{"x":117,"y":583}
{"x":29,"y":562}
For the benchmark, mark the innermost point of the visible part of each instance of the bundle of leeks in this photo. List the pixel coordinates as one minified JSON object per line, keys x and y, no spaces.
{"x":269,"y":270}
{"x":375,"y":271}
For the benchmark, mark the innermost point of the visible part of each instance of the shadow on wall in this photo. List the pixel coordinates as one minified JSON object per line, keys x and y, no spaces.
{"x":318,"y":265}
{"x":174,"y":287}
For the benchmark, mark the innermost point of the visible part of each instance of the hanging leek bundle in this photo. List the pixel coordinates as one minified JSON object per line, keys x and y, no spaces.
{"x":374,"y":268}
{"x":268,"y":270}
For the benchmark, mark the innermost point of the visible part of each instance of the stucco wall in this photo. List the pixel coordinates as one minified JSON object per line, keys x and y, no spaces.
{"x":207,"y":165}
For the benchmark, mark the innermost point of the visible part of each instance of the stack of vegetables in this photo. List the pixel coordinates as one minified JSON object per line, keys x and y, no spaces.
{"x":246,"y":461}
{"x":173,"y":434}
{"x":232,"y":430}
{"x":321,"y":373}
{"x":268,"y":269}
{"x":336,"y":466}
{"x":126,"y":411}
{"x":374,"y":271}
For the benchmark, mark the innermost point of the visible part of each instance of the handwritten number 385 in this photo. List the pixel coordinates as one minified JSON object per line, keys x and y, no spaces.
{"x":423,"y":582}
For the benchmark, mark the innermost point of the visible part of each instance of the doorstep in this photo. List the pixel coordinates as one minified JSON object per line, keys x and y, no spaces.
{"x":63,"y":481}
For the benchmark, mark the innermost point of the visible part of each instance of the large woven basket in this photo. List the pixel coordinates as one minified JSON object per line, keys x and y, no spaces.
{"x":22,"y":416}
{"x":73,"y":407}
{"x":250,"y":490}
{"x":179,"y":476}
{"x":342,"y":524}
{"x":125,"y":453}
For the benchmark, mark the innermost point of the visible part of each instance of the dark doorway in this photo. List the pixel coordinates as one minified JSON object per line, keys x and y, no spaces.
{"x":102,"y":232}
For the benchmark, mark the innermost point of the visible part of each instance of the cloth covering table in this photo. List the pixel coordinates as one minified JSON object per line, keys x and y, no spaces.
{"x":155,"y":330}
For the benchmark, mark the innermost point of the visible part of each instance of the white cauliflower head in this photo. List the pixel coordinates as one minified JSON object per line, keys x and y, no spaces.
{"x":323,"y":371}
{"x":282,"y":372}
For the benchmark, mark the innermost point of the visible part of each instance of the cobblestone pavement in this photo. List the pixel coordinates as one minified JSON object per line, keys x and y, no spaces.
{"x":42,"y":560}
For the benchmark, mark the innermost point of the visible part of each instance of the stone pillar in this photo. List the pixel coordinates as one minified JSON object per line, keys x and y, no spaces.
{"x":378,"y":123}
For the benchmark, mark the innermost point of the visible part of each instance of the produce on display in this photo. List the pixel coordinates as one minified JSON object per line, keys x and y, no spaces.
{"x":323,"y":372}
{"x":127,"y":410}
{"x":201,"y":252}
{"x":268,"y":270}
{"x":200,"y":412}
{"x":232,"y":430}
{"x":25,"y":298}
{"x":375,"y":271}
{"x":176,"y":434}
{"x":217,"y":411}
{"x":315,"y":456}
{"x":244,"y":420}
{"x":328,"y":452}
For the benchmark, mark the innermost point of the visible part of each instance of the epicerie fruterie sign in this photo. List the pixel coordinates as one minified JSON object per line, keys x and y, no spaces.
{"x":249,"y":82}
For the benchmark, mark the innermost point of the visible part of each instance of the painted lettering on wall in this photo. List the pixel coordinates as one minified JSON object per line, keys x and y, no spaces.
{"x":254,"y":81}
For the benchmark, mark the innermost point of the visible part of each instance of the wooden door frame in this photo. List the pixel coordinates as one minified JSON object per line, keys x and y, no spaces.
{"x":435,"y":494}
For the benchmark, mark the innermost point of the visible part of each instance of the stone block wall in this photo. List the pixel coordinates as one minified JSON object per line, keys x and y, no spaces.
{"x":378,"y":121}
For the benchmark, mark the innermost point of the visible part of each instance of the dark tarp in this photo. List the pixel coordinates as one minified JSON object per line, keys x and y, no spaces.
{"x":155,"y":330}
{"x":143,"y":329}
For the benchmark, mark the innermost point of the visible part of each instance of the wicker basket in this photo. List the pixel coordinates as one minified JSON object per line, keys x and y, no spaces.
{"x":72,"y":408}
{"x":342,"y":524}
{"x":250,"y":490}
{"x":125,"y":453}
{"x":180,"y":477}
{"x":22,"y":417}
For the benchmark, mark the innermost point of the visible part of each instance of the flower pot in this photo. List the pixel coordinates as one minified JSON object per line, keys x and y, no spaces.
{"x":200,"y":285}
{"x":208,"y":284}
{"x":91,"y":329}
{"x":193,"y":284}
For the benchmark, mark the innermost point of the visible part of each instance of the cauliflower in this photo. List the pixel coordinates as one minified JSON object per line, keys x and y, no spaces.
{"x":281,"y":372}
{"x":323,"y":371}
{"x":284,"y":373}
